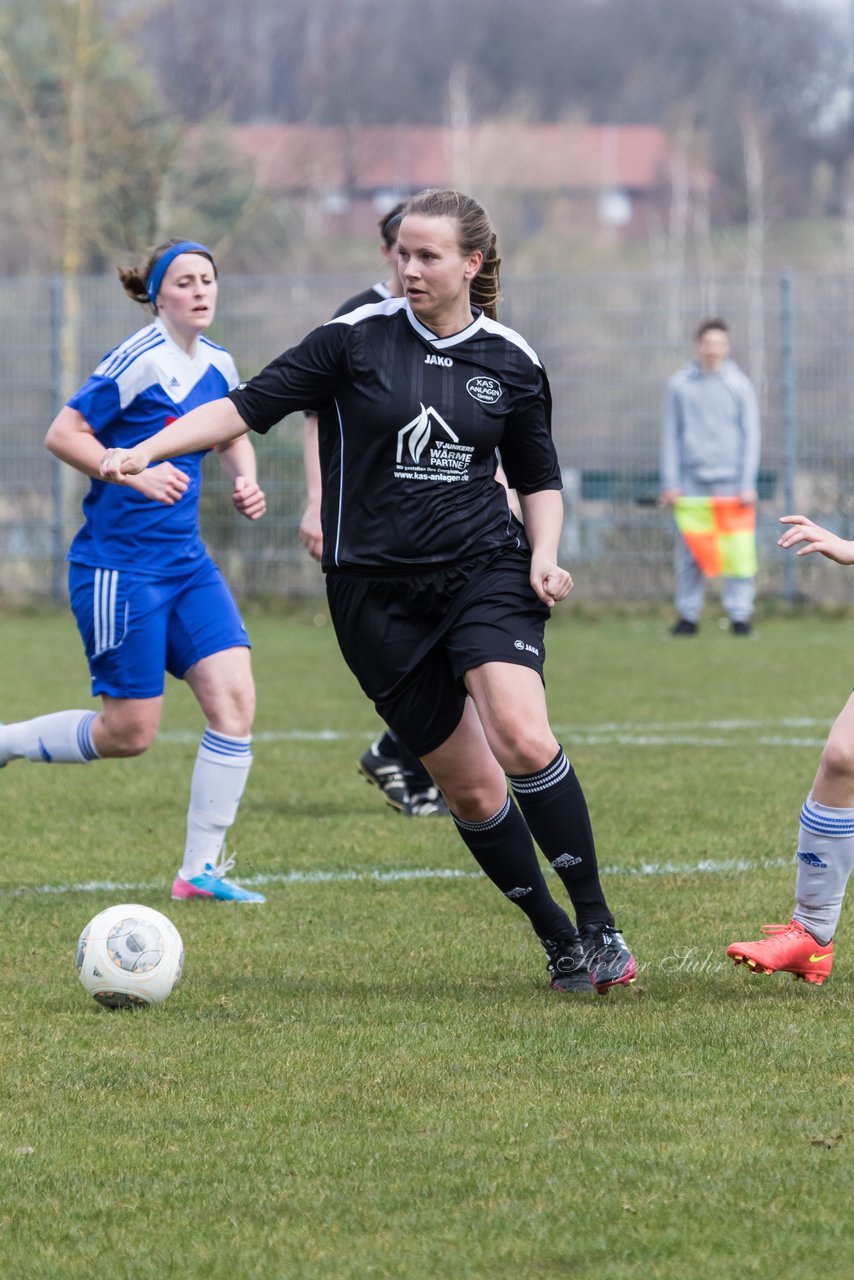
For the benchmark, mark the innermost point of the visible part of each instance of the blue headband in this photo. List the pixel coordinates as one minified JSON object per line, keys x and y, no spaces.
{"x":160,"y":268}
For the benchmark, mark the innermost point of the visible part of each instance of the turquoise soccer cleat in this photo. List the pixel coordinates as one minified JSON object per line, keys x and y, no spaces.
{"x":212,"y":883}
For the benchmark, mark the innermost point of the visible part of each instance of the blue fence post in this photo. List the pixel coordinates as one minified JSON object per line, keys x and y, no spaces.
{"x":57,"y":478}
{"x":789,"y":379}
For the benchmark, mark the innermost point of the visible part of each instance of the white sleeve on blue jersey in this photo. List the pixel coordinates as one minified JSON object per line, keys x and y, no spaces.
{"x":118,"y":379}
{"x":222,"y":360}
{"x":147,"y":359}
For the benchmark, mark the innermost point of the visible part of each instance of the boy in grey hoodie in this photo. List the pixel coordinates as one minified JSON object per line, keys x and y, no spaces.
{"x":710,"y":447}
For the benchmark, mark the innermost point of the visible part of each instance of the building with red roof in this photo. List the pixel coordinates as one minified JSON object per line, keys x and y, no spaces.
{"x":617,"y":176}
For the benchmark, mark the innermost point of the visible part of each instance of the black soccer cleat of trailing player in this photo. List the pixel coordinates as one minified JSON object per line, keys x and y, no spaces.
{"x":387,"y":773}
{"x":607,"y":957}
{"x":427,"y":803}
{"x":567,"y":964}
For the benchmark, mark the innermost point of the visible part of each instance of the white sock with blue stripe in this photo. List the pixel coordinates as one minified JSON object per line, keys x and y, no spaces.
{"x":61,"y":737}
{"x":219,"y":777}
{"x":825,"y":859}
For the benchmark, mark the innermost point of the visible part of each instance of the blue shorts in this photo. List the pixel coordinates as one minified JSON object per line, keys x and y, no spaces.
{"x":136,"y":628}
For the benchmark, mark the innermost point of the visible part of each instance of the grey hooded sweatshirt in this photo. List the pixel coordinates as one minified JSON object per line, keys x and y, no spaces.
{"x":710,"y":429}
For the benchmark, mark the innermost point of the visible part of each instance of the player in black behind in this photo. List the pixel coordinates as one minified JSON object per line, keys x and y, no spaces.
{"x":388,"y":763}
{"x":438,"y":595}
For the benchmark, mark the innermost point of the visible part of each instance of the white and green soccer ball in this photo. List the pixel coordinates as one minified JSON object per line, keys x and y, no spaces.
{"x":130,"y":956}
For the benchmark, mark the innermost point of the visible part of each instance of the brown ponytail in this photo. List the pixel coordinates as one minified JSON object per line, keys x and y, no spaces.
{"x":475,"y":234}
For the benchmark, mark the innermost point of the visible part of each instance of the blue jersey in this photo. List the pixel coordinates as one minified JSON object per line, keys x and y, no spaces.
{"x":143,"y":383}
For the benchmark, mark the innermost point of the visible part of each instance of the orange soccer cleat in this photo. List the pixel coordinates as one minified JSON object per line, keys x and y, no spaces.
{"x":788,"y":948}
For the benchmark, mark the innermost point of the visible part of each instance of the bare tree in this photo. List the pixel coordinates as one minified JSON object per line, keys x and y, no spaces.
{"x":754,"y":258}
{"x":460,"y":120}
{"x":612,"y":61}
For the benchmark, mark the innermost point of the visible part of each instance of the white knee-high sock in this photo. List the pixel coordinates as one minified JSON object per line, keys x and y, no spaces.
{"x":825,"y":860}
{"x":219,"y":777}
{"x":62,"y":737}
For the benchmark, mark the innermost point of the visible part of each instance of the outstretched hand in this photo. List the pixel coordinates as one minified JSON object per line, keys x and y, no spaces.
{"x":816,"y":539}
{"x":116,"y":464}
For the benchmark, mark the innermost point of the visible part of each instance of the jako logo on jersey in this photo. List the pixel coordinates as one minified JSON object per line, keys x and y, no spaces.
{"x":445,"y":361}
{"x":812,"y":860}
{"x":525,"y":648}
{"x":486,"y":390}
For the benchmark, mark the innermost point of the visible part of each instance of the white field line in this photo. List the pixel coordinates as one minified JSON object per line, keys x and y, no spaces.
{"x":705,"y":866}
{"x":715,"y":733}
{"x":690,"y":733}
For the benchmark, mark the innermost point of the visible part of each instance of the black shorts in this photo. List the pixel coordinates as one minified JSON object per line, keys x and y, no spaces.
{"x":409,"y":641}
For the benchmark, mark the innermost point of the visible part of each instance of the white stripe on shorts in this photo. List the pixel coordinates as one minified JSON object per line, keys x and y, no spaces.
{"x":104,"y":609}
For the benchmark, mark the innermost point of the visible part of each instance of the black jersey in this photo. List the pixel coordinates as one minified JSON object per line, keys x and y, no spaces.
{"x":408,"y":429}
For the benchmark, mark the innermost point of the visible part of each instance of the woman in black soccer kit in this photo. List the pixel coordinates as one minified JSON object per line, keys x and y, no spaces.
{"x":438,"y":594}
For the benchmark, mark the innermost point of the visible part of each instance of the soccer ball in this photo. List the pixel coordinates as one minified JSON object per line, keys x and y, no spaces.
{"x":130,"y":956}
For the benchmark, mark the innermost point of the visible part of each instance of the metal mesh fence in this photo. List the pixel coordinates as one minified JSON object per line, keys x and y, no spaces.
{"x":609,"y":343}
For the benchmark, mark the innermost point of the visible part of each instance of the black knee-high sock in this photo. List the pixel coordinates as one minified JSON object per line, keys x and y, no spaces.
{"x":555,"y":810}
{"x":387,"y":745}
{"x":502,"y":847}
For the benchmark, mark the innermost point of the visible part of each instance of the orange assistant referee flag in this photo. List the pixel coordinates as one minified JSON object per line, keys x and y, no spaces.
{"x":720,"y":534}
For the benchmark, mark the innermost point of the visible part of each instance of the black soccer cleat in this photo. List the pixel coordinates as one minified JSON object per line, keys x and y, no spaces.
{"x":427,"y":803}
{"x":387,"y":773}
{"x":684,"y":627}
{"x":567,"y":963}
{"x":607,"y":957}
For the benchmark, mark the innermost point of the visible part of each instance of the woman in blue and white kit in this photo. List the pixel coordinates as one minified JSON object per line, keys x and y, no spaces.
{"x":146,"y":595}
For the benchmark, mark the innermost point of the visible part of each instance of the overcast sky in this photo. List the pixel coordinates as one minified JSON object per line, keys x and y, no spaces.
{"x":834,"y":6}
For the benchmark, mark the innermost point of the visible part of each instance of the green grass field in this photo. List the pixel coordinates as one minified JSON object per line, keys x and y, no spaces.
{"x":369,"y":1076}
